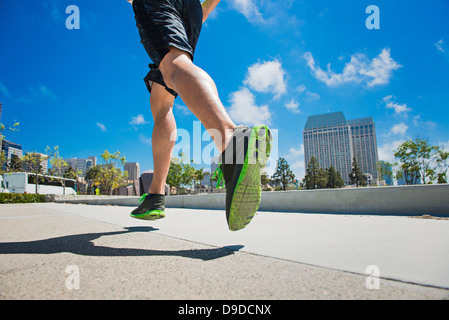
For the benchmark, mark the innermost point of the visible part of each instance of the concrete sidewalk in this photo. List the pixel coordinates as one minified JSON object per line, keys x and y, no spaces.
{"x":192,"y":255}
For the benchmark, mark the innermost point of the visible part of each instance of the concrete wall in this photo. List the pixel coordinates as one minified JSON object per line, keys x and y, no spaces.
{"x":403,"y":200}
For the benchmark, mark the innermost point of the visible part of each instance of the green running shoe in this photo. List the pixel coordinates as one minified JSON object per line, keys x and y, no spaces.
{"x":151,"y":207}
{"x":240,"y":167}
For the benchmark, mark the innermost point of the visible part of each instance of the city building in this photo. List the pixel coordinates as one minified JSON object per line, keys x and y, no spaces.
{"x":133,"y":169}
{"x":335,"y":141}
{"x":94,"y":161}
{"x":328,"y":137}
{"x":43,"y":165}
{"x":10,"y":148}
{"x":81,"y":166}
{"x":364,"y":145}
{"x":214,"y":164}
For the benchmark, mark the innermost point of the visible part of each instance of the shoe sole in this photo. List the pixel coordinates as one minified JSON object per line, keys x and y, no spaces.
{"x":150,"y":215}
{"x":247,"y":193}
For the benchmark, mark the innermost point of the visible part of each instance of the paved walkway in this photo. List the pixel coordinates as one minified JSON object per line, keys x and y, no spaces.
{"x":46,"y":248}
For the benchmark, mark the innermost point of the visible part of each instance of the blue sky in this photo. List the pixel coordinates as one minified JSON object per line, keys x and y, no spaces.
{"x":273,"y":61}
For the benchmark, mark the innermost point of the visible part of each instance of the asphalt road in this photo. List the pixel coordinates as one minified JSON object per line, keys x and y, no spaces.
{"x":60,"y":251}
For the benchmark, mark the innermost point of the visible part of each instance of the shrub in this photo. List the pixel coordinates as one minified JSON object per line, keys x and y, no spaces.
{"x":21,"y":198}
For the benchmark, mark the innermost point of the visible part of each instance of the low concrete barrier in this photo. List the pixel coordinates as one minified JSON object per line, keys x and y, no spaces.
{"x":402,"y":200}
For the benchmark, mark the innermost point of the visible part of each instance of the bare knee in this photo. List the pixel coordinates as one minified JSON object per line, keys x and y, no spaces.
{"x":174,"y":61}
{"x":161,"y":102}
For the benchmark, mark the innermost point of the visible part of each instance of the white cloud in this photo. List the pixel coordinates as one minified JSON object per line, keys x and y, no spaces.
{"x":182,"y":108}
{"x":145,"y":140}
{"x":245,"y":111}
{"x":295,"y":159}
{"x":301,"y":88}
{"x":4,"y":90}
{"x":138,"y":120}
{"x":359,"y":69}
{"x":101,"y":126}
{"x":386,"y":151}
{"x":267,"y":77}
{"x":400,"y":128}
{"x":440,"y":46}
{"x":35,"y":93}
{"x":429,"y":125}
{"x":293,"y":106}
{"x":444,"y":145}
{"x":311,"y":96}
{"x":249,"y":9}
{"x":398,"y":108}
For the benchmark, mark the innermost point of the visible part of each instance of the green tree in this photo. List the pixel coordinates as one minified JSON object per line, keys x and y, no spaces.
{"x":58,"y":164}
{"x":15,"y":164}
{"x":180,"y":173}
{"x":283,"y":173}
{"x":340,"y":183}
{"x":356,"y":176}
{"x":334,"y":179}
{"x":442,"y":166}
{"x":385,"y":170}
{"x":3,"y":160}
{"x":197,"y":176}
{"x":33,"y":163}
{"x":264,"y":180}
{"x":311,"y":179}
{"x":111,"y":176}
{"x":321,"y":181}
{"x":418,"y":160}
{"x":3,"y":157}
{"x":93,"y":176}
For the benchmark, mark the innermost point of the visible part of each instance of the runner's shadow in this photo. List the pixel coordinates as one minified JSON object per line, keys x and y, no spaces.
{"x":82,"y":244}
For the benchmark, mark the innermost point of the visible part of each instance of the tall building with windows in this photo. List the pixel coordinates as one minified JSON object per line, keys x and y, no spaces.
{"x":39,"y":163}
{"x":11,"y":148}
{"x":364,"y":145}
{"x":328,"y":137}
{"x":80,"y":165}
{"x":335,"y":141}
{"x":133,"y":169}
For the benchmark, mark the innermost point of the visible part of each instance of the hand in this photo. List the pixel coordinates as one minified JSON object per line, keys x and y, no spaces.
{"x":208,"y":7}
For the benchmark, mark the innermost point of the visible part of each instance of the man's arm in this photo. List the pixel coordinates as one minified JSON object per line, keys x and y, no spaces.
{"x":208,"y":7}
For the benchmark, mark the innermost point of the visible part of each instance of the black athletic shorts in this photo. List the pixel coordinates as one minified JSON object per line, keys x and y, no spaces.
{"x":167,"y":23}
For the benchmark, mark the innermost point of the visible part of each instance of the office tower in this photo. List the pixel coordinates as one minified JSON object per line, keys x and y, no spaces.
{"x":364,"y":145}
{"x":32,"y":166}
{"x":328,"y":137}
{"x":81,"y":166}
{"x":133,"y":169}
{"x":335,"y":141}
{"x":214,"y":164}
{"x":94,"y":160}
{"x":11,"y":148}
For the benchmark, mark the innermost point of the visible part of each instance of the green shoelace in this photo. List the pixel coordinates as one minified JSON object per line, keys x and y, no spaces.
{"x":218,"y":174}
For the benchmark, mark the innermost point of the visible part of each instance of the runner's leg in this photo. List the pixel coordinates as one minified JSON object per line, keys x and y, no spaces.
{"x":198,"y":91}
{"x":164,"y":126}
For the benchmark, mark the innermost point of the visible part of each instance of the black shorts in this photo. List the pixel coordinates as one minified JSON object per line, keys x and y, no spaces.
{"x":167,"y":23}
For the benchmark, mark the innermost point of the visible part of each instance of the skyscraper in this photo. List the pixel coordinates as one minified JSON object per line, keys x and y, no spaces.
{"x":11,"y":148}
{"x":80,"y":165}
{"x":364,"y":145}
{"x":133,"y":169}
{"x":328,"y":137}
{"x":335,"y":141}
